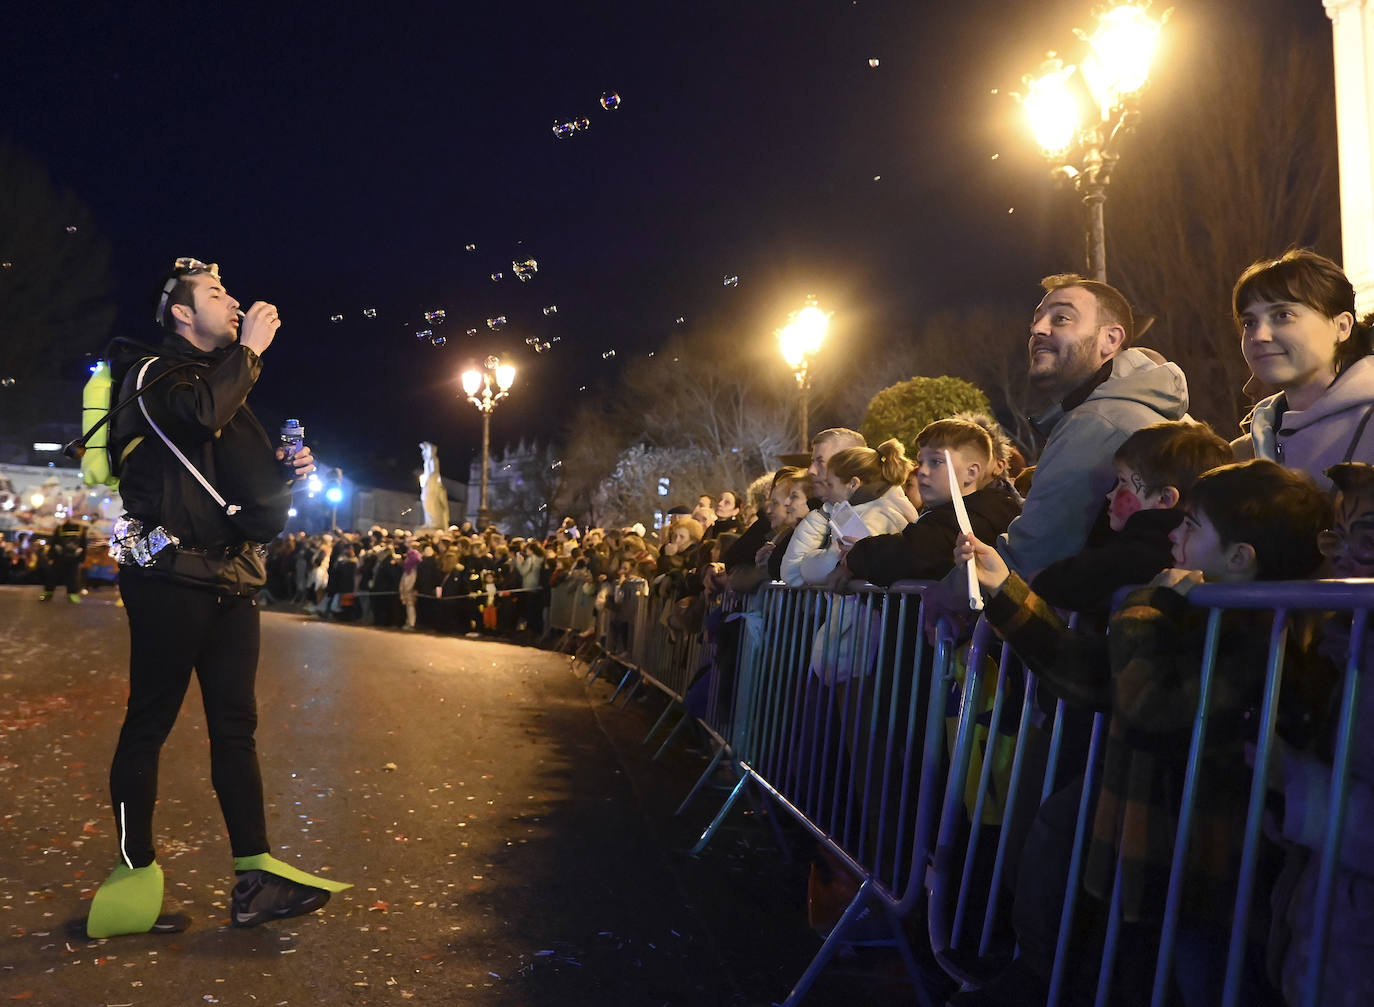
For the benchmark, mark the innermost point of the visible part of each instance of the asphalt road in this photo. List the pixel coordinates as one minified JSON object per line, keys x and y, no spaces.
{"x":509,"y":839}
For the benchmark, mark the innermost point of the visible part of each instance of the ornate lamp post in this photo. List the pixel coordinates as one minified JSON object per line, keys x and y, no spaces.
{"x":486,"y":386}
{"x":800,"y":340}
{"x":1083,"y":147}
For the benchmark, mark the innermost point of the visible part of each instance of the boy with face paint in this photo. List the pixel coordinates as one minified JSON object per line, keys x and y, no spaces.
{"x":1155,"y":468}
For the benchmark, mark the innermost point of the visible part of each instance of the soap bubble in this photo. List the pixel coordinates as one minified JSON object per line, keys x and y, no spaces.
{"x":563,"y":130}
{"x":651,"y":353}
{"x":731,"y":281}
{"x":608,"y":355}
{"x":493,"y":362}
{"x":435,"y":316}
{"x":873,"y":62}
{"x":496,"y":323}
{"x":6,"y":382}
{"x":556,"y":465}
{"x":472,"y":332}
{"x":524,"y":271}
{"x":369,"y":312}
{"x":877,"y":178}
{"x":581,"y":124}
{"x":6,"y":265}
{"x":424,"y":333}
{"x":551,"y":309}
{"x":71,"y":228}
{"x":680,"y":319}
{"x":470,"y":247}
{"x":437,"y":340}
{"x":581,"y":388}
{"x":610,"y":101}
{"x":336,"y":318}
{"x":496,"y":277}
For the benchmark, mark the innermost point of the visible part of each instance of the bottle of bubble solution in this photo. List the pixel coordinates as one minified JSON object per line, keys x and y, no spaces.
{"x":292,"y":437}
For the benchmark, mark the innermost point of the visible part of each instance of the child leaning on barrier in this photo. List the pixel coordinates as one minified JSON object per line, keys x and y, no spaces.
{"x":1304,"y":779}
{"x":921,"y":550}
{"x":1155,"y":468}
{"x":1243,"y":522}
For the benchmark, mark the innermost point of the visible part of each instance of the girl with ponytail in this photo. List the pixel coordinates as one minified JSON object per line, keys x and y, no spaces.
{"x":870,"y":480}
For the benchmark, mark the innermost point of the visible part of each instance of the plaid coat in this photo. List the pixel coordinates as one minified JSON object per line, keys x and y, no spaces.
{"x":1146,"y":672}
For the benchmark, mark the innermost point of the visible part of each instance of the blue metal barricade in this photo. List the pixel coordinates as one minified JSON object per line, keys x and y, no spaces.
{"x":912,"y":763}
{"x":953,"y":886}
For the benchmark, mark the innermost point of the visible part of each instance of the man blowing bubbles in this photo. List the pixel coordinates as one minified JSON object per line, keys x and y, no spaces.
{"x":203,"y":487}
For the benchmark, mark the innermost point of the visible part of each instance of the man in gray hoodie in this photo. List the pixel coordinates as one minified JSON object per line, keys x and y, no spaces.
{"x":1103,"y":391}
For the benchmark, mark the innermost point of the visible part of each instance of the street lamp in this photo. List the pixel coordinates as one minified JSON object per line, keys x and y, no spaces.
{"x":800,"y":340}
{"x":486,"y":386}
{"x":1083,"y":148}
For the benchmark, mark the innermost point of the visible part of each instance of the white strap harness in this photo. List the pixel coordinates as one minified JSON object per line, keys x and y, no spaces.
{"x":227,"y":507}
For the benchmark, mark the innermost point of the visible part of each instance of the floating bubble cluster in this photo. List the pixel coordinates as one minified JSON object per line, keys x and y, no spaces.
{"x":496,"y":277}
{"x":608,"y":355}
{"x":540,"y":345}
{"x":496,"y":323}
{"x":730,"y":281}
{"x":369,"y":312}
{"x":424,"y":333}
{"x":435,"y":316}
{"x":336,"y":318}
{"x":437,"y":340}
{"x":610,"y":101}
{"x":524,"y":271}
{"x":563,"y":130}
{"x":551,"y":309}
{"x":472,"y":332}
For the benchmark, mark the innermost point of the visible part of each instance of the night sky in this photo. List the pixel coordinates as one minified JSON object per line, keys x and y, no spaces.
{"x":334,"y":161}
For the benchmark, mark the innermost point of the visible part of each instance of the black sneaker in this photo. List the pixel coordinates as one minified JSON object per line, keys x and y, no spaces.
{"x":259,"y":896}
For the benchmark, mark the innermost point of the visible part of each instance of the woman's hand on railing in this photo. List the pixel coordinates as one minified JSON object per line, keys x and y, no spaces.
{"x":991,"y":569}
{"x":838,"y":579}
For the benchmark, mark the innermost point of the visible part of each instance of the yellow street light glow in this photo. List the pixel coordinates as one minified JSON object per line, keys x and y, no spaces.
{"x":801,"y":337}
{"x":505,"y":377}
{"x":1052,"y":109}
{"x":472,"y":381}
{"x":1122,"y":47}
{"x":37,"y":500}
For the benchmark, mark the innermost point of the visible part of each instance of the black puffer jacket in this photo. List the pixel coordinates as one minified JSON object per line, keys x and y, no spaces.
{"x":924,"y":549}
{"x":203,"y":409}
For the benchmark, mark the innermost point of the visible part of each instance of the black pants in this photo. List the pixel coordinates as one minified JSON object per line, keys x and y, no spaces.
{"x":172,"y":630}
{"x":65,"y":571}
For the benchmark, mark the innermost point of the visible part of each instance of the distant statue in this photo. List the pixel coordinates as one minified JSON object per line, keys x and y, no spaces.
{"x":433,"y":496}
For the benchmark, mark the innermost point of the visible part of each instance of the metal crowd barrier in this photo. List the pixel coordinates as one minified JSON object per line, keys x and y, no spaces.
{"x":951,"y":879}
{"x":907,"y":762}
{"x":841,"y":725}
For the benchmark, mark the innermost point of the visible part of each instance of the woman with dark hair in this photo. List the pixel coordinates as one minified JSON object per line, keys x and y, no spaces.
{"x":1301,"y":337}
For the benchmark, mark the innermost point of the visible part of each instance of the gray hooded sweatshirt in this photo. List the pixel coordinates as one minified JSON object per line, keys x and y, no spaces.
{"x":1076,"y":470}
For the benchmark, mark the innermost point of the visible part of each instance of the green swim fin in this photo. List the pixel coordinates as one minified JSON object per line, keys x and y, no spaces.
{"x":129,"y":902}
{"x":270,"y":864}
